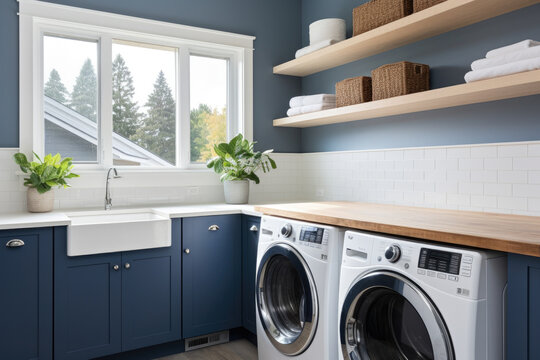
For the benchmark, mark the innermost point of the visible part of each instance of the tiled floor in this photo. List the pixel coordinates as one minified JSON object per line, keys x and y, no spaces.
{"x":235,"y":350}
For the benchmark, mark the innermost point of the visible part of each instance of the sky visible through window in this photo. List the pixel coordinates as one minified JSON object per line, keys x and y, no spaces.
{"x":68,"y":64}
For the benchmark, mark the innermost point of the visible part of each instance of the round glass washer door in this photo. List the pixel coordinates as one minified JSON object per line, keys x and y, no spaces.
{"x":386,"y":316}
{"x":287,"y":300}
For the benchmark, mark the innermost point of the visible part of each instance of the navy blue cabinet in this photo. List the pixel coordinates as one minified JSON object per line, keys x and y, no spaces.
{"x":87,"y":303}
{"x":523,"y":310}
{"x":108,"y":303}
{"x":151,"y":295}
{"x":211,"y":274}
{"x":26,"y":300}
{"x":250,"y":241}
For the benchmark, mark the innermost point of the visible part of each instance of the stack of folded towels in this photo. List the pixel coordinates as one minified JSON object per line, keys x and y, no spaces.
{"x":311,"y":103}
{"x":511,"y":59}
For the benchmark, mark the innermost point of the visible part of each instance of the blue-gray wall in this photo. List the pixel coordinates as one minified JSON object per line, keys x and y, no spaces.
{"x":275,"y":24}
{"x":279,"y":32}
{"x":449,"y":56}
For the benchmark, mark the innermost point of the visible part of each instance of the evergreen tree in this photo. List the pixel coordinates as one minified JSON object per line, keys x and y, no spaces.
{"x":125,"y":110}
{"x":157,"y":132}
{"x":84,"y":95}
{"x":198,"y":131}
{"x":55,"y":89}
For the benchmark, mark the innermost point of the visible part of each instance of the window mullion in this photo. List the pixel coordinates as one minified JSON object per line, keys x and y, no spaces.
{"x":105,"y":146}
{"x":183,"y":109}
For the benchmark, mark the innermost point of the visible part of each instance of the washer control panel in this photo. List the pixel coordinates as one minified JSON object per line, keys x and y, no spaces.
{"x":313,"y":235}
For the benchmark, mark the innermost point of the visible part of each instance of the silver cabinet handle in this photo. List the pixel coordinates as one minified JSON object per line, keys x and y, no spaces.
{"x":15,"y":243}
{"x":187,"y":251}
{"x":254,"y":228}
{"x":213,"y":228}
{"x":116,"y":267}
{"x":127,"y":265}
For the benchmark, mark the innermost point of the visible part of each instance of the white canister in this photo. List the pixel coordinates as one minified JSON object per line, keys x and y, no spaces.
{"x":327,"y":29}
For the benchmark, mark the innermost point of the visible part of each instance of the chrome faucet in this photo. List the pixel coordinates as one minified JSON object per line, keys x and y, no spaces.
{"x":108,"y":200}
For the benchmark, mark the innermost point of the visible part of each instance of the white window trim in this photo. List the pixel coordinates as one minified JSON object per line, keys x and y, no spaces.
{"x":37,"y":17}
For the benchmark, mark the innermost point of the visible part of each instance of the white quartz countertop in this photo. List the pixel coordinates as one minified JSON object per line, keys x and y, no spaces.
{"x":61,"y":218}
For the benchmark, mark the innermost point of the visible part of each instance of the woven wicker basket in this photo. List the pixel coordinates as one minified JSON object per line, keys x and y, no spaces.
{"x":419,"y":5}
{"x":353,"y":91}
{"x":376,"y":13}
{"x":399,"y":79}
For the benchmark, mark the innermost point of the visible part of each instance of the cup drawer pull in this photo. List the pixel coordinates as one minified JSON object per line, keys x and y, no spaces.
{"x":15,"y":243}
{"x":213,"y":228}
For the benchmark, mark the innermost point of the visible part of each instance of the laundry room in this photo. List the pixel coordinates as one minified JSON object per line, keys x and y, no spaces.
{"x":270,"y":180}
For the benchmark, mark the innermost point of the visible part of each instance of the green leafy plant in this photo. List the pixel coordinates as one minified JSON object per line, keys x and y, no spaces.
{"x":236,"y":160}
{"x":47,"y":173}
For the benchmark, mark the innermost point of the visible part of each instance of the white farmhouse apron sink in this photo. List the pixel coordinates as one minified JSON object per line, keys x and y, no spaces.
{"x":98,"y":232}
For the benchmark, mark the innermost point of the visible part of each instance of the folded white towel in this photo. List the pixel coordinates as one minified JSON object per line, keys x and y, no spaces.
{"x":308,"y":109}
{"x":314,"y":47}
{"x":326,"y":99}
{"x":502,"y":70}
{"x":511,"y":48}
{"x":529,"y":53}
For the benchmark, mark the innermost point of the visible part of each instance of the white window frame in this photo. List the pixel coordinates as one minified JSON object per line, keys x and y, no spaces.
{"x":39,"y":18}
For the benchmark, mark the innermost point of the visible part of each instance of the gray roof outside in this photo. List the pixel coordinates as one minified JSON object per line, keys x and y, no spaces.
{"x":125,"y":152}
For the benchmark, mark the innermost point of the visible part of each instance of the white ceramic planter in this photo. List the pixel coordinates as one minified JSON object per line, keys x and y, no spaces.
{"x":236,"y":191}
{"x":39,"y":203}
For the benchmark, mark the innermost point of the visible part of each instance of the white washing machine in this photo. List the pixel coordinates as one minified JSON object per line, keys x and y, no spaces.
{"x":409,"y":300}
{"x":297,"y":290}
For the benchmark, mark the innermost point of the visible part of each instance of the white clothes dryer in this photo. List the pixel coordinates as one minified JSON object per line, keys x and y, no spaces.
{"x":403,"y":299}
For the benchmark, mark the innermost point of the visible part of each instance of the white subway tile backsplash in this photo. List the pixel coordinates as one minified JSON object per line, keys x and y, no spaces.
{"x":512,"y":177}
{"x":471,"y":188}
{"x":512,"y":203}
{"x":484,"y":201}
{"x":498,"y":189}
{"x":511,"y":151}
{"x":458,"y":152}
{"x":534,"y":149}
{"x":483,"y":152}
{"x":534,"y":177}
{"x":413,"y":154}
{"x":527,"y":190}
{"x":527,"y":163}
{"x":498,"y":164}
{"x":502,"y":178}
{"x":484,"y":176}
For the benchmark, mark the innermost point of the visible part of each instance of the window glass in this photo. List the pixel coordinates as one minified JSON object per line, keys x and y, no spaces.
{"x":144,"y":104}
{"x":208,"y":104}
{"x":70,"y":106}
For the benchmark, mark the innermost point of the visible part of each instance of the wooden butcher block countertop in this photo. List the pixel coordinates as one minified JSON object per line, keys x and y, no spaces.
{"x":510,"y":233}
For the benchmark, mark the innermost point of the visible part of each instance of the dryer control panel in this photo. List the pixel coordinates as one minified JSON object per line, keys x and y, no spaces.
{"x":438,"y":260}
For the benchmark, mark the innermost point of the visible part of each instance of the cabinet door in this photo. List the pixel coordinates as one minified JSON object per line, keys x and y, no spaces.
{"x":523,"y":311}
{"x":87,"y":304}
{"x":250,"y":240}
{"x":211,"y":272}
{"x":151,"y":295}
{"x":26,"y":294}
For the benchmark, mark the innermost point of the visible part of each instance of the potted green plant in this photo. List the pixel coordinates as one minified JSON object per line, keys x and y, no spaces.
{"x":45,"y":174}
{"x":237,"y":163}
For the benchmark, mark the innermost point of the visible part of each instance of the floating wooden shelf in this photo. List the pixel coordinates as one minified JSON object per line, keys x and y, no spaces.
{"x":506,"y":87}
{"x":441,"y":18}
